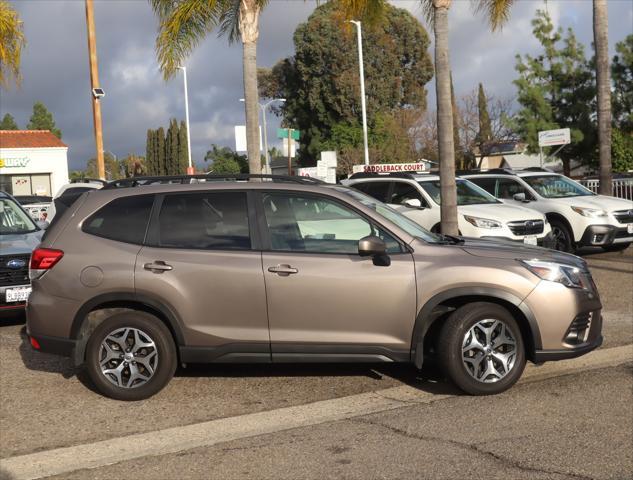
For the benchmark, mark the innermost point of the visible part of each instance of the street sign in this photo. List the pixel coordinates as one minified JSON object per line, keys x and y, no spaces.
{"x":284,"y":148}
{"x":240,"y":138}
{"x":390,"y":167}
{"x":550,"y":138}
{"x":283,"y":133}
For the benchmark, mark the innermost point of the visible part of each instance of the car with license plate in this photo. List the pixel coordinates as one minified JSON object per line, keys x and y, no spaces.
{"x":267,"y":269}
{"x":579,"y":218}
{"x":480,"y":215}
{"x":19,"y":235}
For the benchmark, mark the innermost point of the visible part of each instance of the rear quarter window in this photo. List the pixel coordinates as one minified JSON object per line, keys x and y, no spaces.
{"x":124,"y":219}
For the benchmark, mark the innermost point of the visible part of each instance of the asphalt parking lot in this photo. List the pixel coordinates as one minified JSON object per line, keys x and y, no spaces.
{"x":392,"y":421}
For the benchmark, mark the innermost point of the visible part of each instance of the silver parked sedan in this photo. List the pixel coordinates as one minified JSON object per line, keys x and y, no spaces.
{"x":19,"y":235}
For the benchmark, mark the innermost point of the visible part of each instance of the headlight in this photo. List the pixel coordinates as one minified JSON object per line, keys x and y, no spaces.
{"x":482,"y":222}
{"x":589,"y":212}
{"x":570,"y":276}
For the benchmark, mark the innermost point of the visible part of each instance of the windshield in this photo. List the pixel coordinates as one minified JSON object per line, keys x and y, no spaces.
{"x":13,"y":219}
{"x":467,"y":192}
{"x":556,"y":186}
{"x":392,"y":215}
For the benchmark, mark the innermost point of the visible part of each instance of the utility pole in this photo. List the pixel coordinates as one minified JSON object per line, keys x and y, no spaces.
{"x":94,"y":81}
{"x":362,"y":86}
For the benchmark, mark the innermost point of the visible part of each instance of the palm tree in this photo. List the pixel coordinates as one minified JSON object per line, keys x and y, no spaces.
{"x":497,"y":12}
{"x":185,"y":23}
{"x":11,"y":44}
{"x":601,"y":40}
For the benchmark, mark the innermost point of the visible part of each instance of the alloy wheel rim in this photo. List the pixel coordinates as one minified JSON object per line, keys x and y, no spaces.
{"x":560,"y":239}
{"x":489,"y":351}
{"x":128,"y":357}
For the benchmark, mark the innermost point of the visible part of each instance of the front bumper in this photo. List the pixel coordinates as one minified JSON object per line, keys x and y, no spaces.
{"x":541,"y":356}
{"x":604,"y":235}
{"x":546,"y":241}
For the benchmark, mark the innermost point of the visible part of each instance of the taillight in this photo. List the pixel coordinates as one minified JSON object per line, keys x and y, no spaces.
{"x":43,"y":259}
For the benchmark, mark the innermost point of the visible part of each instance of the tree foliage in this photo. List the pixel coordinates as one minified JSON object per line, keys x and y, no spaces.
{"x":42,"y":119}
{"x":622,"y":150}
{"x":484,"y":134}
{"x":11,"y":44}
{"x":556,"y":89}
{"x":622,"y":75}
{"x":224,"y":160}
{"x":8,"y":123}
{"x":322,"y":85}
{"x":166,"y":152}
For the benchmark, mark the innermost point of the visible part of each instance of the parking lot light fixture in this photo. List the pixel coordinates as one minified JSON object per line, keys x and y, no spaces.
{"x":264,"y":107}
{"x":184,"y":78}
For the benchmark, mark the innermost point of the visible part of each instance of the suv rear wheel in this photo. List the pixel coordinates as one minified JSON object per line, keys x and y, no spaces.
{"x":481,"y":348}
{"x":131,"y":356}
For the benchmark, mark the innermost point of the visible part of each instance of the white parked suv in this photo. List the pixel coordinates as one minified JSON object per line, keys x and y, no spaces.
{"x":480,"y":214}
{"x":578,"y":216}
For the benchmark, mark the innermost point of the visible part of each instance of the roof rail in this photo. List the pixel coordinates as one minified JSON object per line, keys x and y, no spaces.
{"x":537,"y":169}
{"x":358,"y":175}
{"x":90,"y":180}
{"x":203,"y":178}
{"x":505,"y":171}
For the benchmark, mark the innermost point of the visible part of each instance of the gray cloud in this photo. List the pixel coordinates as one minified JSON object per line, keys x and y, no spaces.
{"x":55,"y":66}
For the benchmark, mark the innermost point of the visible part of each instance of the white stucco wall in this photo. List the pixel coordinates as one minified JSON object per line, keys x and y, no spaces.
{"x":29,"y":161}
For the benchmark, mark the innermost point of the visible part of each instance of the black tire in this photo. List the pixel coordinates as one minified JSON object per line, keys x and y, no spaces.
{"x":164,"y":365}
{"x":562,"y":238}
{"x":617,"y":247}
{"x":451,"y":340}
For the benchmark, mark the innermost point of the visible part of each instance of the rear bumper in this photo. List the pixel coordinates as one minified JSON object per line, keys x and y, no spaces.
{"x":55,"y":345}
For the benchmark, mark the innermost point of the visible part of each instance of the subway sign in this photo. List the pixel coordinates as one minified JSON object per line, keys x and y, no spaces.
{"x":16,"y":162}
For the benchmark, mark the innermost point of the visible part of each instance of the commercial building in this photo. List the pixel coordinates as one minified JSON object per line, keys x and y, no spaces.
{"x":32,"y":162}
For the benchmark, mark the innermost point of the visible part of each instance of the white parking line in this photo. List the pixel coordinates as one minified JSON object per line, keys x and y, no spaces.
{"x":171,"y":440}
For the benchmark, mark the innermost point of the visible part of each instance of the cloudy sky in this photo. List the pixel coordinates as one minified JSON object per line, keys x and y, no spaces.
{"x":55,"y":66}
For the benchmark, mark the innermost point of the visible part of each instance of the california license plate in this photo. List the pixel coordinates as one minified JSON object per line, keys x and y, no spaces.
{"x":629,"y":228}
{"x":18,"y":294}
{"x":530,"y":240}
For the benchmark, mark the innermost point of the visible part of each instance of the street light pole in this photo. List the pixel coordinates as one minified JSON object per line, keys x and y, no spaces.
{"x":184,"y":77}
{"x":362,"y":87}
{"x":263,"y":108}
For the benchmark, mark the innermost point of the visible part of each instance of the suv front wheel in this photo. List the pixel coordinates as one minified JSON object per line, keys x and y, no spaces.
{"x":481,"y":348}
{"x":131,"y":356}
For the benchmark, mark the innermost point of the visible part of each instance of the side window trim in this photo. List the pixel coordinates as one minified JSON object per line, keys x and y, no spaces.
{"x":265,"y":234}
{"x":153,"y":232}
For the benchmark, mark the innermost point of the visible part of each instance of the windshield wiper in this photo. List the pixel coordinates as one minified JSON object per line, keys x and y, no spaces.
{"x":451,"y":239}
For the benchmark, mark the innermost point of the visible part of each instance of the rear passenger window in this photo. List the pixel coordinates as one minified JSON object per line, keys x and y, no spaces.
{"x":487,"y":183}
{"x":124,"y":219}
{"x":205,"y":221}
{"x":378,"y":190}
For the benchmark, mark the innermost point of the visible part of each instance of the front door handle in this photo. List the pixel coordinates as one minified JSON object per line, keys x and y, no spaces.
{"x":283,"y":270}
{"x":158,"y":267}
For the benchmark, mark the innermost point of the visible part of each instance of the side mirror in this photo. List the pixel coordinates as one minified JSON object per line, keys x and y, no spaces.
{"x":371,"y":246}
{"x":42,"y":224}
{"x":519,"y":197}
{"x":413,"y":203}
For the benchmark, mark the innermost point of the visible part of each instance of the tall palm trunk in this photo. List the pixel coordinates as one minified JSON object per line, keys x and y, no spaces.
{"x":601,"y":40}
{"x":249,"y":31}
{"x":445,"y":119}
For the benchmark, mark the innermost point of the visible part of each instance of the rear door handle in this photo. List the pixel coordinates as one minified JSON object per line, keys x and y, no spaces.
{"x":283,"y":270}
{"x":158,"y":267}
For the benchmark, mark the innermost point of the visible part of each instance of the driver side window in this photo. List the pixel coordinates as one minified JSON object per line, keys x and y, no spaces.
{"x":299,"y":223}
{"x":507,"y":188}
{"x":405,"y":191}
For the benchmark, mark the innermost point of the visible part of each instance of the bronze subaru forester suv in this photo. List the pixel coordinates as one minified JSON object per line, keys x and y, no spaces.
{"x":144,"y":275}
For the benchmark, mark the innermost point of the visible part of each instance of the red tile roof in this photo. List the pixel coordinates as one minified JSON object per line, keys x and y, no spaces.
{"x":29,"y":139}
